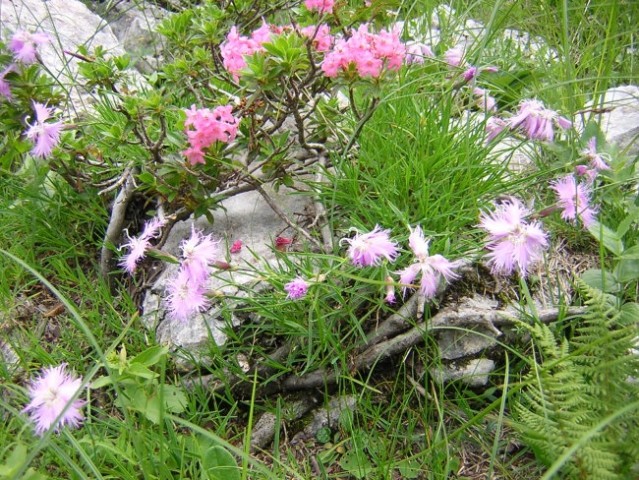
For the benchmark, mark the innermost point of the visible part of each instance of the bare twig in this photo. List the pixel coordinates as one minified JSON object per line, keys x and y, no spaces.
{"x":116,"y":222}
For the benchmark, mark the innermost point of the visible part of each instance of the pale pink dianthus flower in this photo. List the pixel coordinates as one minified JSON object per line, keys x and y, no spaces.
{"x":52,"y":394}
{"x":24,"y":45}
{"x":537,"y":121}
{"x":574,"y":200}
{"x":514,"y":243}
{"x":368,"y":249}
{"x":186,"y":296}
{"x":198,"y":252}
{"x":596,"y":159}
{"x":138,"y":246}
{"x":45,"y":135}
{"x":433,"y":268}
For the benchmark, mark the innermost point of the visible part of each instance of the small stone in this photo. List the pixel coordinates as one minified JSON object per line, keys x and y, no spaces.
{"x":474,"y":373}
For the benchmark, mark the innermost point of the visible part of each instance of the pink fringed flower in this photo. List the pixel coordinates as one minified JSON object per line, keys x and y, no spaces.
{"x":199,"y":251}
{"x":514,"y":244}
{"x":485,"y":101}
{"x":537,"y":121}
{"x":186,"y":296}
{"x":416,"y":52}
{"x":322,"y":6}
{"x":52,"y":394}
{"x":24,"y":45}
{"x":454,"y":57}
{"x":596,"y":160}
{"x":494,"y":126}
{"x":5,"y":88}
{"x":574,"y":200}
{"x":432,"y":267}
{"x":45,"y":135}
{"x":368,"y":249}
{"x":296,"y":289}
{"x":139,"y":245}
{"x":205,"y":126}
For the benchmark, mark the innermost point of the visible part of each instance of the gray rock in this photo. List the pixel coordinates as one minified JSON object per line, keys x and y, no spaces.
{"x":246,"y":217}
{"x":135,"y":24}
{"x":474,"y":373}
{"x":620,"y":120}
{"x":70,"y":24}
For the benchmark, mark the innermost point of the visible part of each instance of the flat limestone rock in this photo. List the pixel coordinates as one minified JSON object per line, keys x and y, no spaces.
{"x":619,"y":121}
{"x":70,"y":24}
{"x":246,"y":217}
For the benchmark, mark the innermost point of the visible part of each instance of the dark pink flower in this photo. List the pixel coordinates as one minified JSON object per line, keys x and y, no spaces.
{"x":296,"y":289}
{"x":514,"y":244}
{"x":368,"y":249}
{"x":236,"y":247}
{"x":282,"y":243}
{"x":52,"y":393}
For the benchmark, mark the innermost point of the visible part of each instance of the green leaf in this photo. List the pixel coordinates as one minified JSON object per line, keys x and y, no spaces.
{"x":100,"y":382}
{"x":627,"y":270}
{"x":15,"y":460}
{"x":601,"y":280}
{"x":151,"y":355}
{"x":631,"y":253}
{"x":358,"y":466}
{"x":409,"y":468}
{"x":139,"y":370}
{"x":607,"y":237}
{"x":219,"y":464}
{"x":174,"y":399}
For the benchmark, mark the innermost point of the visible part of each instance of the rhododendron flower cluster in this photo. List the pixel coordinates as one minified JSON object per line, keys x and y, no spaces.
{"x":24,"y":45}
{"x":574,"y":200}
{"x":514,"y":243}
{"x":187,"y":291}
{"x":51,"y":394}
{"x":45,"y":135}
{"x":322,"y":6}
{"x":368,"y":52}
{"x":205,"y":126}
{"x":320,"y":35}
{"x":237,"y":46}
{"x":432,"y":268}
